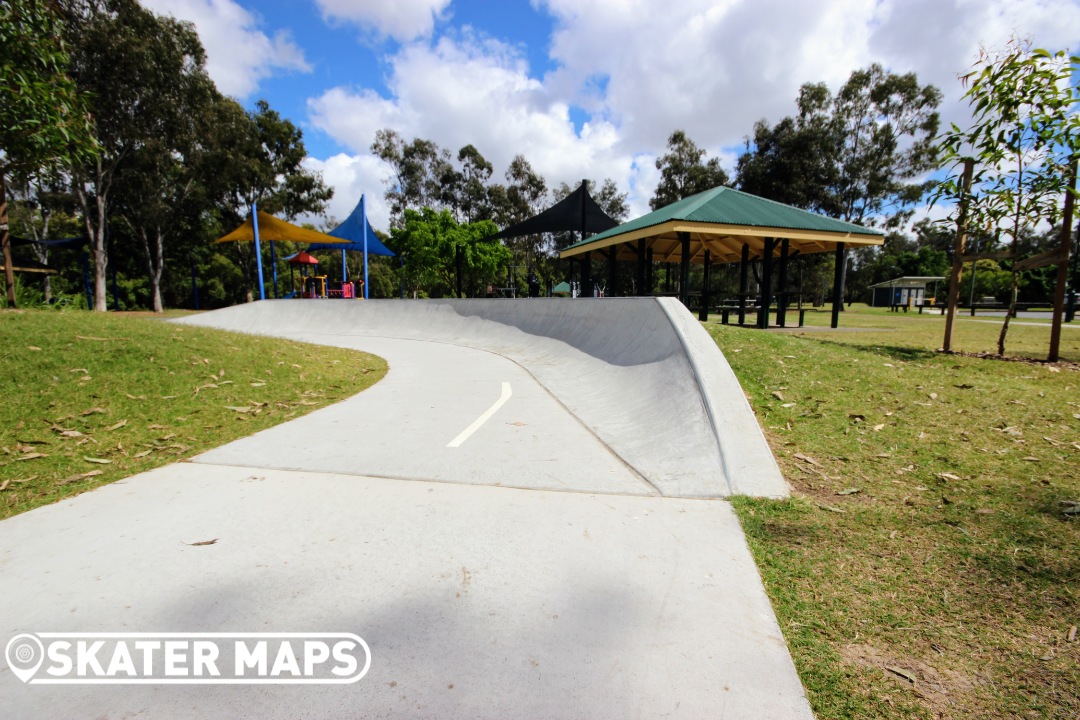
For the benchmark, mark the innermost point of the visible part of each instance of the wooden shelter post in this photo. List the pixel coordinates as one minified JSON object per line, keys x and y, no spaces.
{"x":684,"y":268}
{"x":613,"y":272}
{"x":838,"y":284}
{"x":641,"y":267}
{"x":782,"y":294}
{"x":703,"y":314}
{"x":766,"y":282}
{"x":650,"y":277}
{"x":744,"y":282}
{"x":586,"y":275}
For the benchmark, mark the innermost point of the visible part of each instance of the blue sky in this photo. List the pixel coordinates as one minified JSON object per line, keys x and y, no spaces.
{"x":581,"y":89}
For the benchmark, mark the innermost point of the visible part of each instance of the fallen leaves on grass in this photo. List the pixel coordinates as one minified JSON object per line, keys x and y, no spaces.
{"x":80,"y":476}
{"x":902,"y":673}
{"x":806,"y":459}
{"x":98,"y":461}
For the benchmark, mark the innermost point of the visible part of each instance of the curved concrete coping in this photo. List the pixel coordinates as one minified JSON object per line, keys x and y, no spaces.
{"x":640,"y":373}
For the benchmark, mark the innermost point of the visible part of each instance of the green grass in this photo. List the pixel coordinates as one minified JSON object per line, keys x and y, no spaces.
{"x":90,"y":398}
{"x":1028,"y":338}
{"x":925,"y":533}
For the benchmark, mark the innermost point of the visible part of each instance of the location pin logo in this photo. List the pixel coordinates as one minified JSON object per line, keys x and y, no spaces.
{"x":24,"y":655}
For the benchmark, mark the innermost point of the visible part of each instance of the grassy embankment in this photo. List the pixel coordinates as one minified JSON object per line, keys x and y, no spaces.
{"x":89,"y":398}
{"x":924,"y":566}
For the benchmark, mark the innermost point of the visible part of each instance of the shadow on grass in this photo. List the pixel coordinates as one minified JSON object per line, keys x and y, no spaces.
{"x":896,"y":352}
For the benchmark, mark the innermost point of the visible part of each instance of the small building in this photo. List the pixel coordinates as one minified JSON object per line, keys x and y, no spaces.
{"x":905,"y":291}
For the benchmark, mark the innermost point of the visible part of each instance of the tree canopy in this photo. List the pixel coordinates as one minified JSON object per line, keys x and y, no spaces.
{"x":684,"y":171}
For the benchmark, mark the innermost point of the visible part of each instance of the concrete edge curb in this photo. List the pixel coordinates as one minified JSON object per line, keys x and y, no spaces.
{"x":750,"y":468}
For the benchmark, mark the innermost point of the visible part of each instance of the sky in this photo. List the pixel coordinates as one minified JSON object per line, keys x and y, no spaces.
{"x":581,"y":88}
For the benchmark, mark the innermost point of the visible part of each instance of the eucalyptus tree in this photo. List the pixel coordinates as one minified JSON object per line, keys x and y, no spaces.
{"x":792,"y":162}
{"x":160,"y":189}
{"x":43,"y":121}
{"x":684,"y":171}
{"x":526,"y":195}
{"x":1023,"y":138}
{"x":860,"y":155}
{"x":467,"y":188}
{"x":256,"y":158}
{"x":138,"y":70}
{"x":422,"y":171}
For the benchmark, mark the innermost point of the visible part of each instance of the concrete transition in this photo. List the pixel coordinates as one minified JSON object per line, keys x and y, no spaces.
{"x":523,"y":519}
{"x":640,"y":373}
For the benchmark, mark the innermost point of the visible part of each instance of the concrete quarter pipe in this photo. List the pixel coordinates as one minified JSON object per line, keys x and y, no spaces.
{"x":640,"y":373}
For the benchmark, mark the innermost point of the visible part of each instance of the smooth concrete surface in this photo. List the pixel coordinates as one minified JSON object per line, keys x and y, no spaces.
{"x":402,"y":426}
{"x":639,"y":373}
{"x":476,"y":601}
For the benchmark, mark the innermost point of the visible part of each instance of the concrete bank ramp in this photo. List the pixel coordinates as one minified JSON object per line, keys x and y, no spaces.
{"x":640,"y":373}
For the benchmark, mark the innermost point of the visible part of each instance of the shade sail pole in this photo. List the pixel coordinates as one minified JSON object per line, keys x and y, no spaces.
{"x":273,"y":263}
{"x":258,"y":249}
{"x":364,"y":225}
{"x":344,"y":269}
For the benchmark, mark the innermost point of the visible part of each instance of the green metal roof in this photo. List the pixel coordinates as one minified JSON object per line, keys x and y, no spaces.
{"x":725,"y":206}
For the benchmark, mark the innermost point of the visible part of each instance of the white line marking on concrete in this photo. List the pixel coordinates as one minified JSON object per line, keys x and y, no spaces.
{"x":506,"y":393}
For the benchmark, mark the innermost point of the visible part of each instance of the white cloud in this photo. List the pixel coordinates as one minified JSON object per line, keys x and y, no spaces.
{"x":400,"y":19}
{"x":643,"y":68}
{"x":239,"y":54}
{"x":351,"y":177}
{"x":713,"y":68}
{"x":471,"y":89}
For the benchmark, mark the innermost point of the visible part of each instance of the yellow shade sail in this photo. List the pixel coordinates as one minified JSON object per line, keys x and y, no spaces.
{"x":272,"y":229}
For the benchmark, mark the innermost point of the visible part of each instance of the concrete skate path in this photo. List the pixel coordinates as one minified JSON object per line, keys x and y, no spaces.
{"x":528,"y":571}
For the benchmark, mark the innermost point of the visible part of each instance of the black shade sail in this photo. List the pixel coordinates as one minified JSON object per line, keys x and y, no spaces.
{"x":577,"y":212}
{"x":73,"y":242}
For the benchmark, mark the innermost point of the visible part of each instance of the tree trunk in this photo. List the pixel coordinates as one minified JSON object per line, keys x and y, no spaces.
{"x":5,"y":240}
{"x":1009,"y":313}
{"x":95,"y":218}
{"x":41,"y":253}
{"x":154,"y":265}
